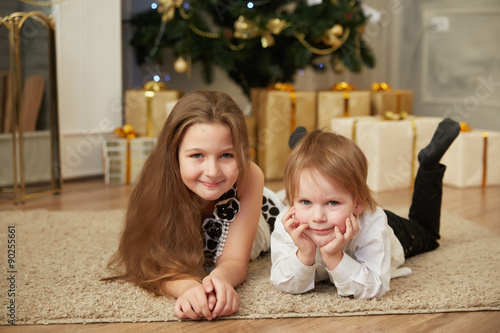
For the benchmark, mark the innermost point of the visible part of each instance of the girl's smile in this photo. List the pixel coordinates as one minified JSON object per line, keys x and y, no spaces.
{"x":206,"y":160}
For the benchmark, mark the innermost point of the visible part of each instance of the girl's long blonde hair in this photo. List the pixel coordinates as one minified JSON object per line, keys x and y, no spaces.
{"x":162,"y":238}
{"x":335,"y":157}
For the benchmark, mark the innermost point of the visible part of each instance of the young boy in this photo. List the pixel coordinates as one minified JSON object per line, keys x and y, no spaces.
{"x":334,"y":229}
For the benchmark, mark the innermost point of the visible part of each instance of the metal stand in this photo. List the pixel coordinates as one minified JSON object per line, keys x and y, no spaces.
{"x":20,"y":190}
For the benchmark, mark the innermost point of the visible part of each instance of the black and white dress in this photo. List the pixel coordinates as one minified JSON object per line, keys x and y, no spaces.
{"x":216,"y":227}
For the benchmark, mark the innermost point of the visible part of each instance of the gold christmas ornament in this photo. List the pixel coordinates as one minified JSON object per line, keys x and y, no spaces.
{"x":332,"y":36}
{"x":276,"y":26}
{"x":180,"y":65}
{"x":245,"y":29}
{"x":266,"y":40}
{"x":167,"y":8}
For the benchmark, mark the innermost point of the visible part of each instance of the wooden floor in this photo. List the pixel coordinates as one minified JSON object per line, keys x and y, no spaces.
{"x":482,"y":206}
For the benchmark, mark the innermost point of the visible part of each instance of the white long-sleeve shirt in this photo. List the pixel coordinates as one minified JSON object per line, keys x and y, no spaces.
{"x":371,"y":258}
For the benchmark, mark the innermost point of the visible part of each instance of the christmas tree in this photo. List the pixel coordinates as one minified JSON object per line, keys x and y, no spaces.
{"x":257,"y":42}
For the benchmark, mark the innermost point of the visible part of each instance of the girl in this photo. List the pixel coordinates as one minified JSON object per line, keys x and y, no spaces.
{"x":195,"y":210}
{"x":334,"y":229}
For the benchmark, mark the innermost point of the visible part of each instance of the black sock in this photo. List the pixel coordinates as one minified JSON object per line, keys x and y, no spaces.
{"x":295,"y":137}
{"x":444,"y":136}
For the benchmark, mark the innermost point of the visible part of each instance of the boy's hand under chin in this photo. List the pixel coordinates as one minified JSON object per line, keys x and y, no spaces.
{"x":306,"y":248}
{"x":332,"y":252}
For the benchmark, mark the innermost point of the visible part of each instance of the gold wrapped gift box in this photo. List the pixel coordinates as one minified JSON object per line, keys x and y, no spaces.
{"x":335,"y":104}
{"x":136,"y":109}
{"x":278,"y":113}
{"x":391,"y":146}
{"x":473,"y":160}
{"x":397,"y":101}
{"x":252,"y":132}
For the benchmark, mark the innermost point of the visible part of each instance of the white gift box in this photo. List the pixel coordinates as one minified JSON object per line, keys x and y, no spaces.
{"x":124,"y":159}
{"x":391,"y":147}
{"x":473,"y":160}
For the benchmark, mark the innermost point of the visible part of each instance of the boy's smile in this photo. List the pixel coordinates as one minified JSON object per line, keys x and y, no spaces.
{"x":323,"y":206}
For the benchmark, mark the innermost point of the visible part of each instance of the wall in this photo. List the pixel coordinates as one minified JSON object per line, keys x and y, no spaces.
{"x":89,"y":79}
{"x":451,"y":58}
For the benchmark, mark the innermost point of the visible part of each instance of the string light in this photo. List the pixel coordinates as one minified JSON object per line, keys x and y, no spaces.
{"x":156,"y":78}
{"x":154,"y":5}
{"x":250,"y":5}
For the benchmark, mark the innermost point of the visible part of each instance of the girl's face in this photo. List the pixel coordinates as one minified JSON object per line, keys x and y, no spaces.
{"x":322,"y":206}
{"x":207,"y":163}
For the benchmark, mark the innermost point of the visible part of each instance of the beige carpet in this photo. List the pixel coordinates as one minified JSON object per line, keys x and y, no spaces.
{"x":60,"y":257}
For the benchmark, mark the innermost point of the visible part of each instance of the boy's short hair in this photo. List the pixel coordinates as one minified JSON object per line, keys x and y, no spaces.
{"x":336,"y":158}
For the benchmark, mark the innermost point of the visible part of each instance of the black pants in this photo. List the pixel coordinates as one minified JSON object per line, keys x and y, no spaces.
{"x":420,"y":232}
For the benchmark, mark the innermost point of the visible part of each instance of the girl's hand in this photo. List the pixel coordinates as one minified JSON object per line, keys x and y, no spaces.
{"x":225,"y":298}
{"x":307,"y":249}
{"x":331,"y":252}
{"x":194,"y":303}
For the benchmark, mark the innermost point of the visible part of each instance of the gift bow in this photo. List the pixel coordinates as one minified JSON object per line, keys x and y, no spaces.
{"x":380,"y":86}
{"x":126,"y":132}
{"x":465,"y":127}
{"x":389,"y":115}
{"x":283,"y":86}
{"x":154,"y":86}
{"x":343,"y":86}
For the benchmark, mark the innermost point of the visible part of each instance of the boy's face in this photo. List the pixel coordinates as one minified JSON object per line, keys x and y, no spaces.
{"x":322,"y":206}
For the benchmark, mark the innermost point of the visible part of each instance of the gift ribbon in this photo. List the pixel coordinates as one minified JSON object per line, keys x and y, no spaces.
{"x":465,"y":127}
{"x":128,"y":133}
{"x":344,"y":87}
{"x":150,"y":88}
{"x":293,"y":99}
{"x":485,"y":158}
